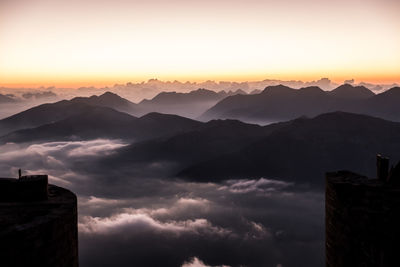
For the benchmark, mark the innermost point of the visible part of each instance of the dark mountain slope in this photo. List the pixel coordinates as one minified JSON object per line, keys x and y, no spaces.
{"x":348,"y":91}
{"x":103,"y":122}
{"x":303,"y":150}
{"x":273,"y":104}
{"x":94,"y":122}
{"x":42,"y":114}
{"x":384,"y":105}
{"x":50,"y":113}
{"x":210,"y":140}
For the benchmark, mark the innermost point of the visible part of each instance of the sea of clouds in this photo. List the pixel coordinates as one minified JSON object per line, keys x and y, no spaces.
{"x":134,"y":220}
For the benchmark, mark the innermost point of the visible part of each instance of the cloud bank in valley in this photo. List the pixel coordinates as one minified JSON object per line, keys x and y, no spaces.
{"x":130,"y":220}
{"x":204,"y":225}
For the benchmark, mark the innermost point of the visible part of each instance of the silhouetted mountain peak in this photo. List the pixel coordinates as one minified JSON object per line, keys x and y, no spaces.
{"x":202,"y":91}
{"x":110,"y":95}
{"x":239,"y":92}
{"x":106,"y":99}
{"x":349,"y":91}
{"x":312,"y":90}
{"x":278,"y":89}
{"x":164,"y":94}
{"x":393,"y":92}
{"x":200,"y":94}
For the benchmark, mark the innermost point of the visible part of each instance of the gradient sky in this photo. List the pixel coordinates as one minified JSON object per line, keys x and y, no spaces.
{"x":81,"y":42}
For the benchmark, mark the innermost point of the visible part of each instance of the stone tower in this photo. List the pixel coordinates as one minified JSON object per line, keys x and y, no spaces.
{"x":363,"y":218}
{"x":38,"y":223}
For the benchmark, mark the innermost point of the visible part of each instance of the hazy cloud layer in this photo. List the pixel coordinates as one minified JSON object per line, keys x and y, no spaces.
{"x":57,"y":159}
{"x":128,"y":220}
{"x":209,"y":222}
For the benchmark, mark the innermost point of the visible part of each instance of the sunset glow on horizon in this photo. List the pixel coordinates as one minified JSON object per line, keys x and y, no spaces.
{"x":81,"y":43}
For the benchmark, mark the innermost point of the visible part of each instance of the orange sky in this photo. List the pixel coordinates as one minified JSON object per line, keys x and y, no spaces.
{"x":102,"y":42}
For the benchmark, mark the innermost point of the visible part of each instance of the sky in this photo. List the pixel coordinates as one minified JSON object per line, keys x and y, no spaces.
{"x":103,"y":42}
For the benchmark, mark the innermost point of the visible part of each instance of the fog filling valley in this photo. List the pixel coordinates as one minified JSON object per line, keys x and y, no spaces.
{"x":150,"y":221}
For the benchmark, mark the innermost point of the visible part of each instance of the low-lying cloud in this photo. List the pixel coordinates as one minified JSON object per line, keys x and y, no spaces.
{"x":54,"y":158}
{"x":132,"y":220}
{"x":260,"y":186}
{"x":138,"y":222}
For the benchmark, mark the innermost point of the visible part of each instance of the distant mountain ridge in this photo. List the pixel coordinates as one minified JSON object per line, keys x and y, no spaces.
{"x":277,"y":103}
{"x":351,"y":92}
{"x":189,"y":105}
{"x":110,"y":100}
{"x":173,"y":97}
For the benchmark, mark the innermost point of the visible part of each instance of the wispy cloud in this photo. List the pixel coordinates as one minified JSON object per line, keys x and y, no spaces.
{"x":261,"y":185}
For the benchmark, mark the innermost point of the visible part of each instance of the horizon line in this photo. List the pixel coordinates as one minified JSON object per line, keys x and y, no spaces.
{"x":82,"y":84}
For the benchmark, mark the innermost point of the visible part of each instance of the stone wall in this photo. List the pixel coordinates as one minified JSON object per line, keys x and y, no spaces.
{"x":362,"y":221}
{"x":40,"y":233}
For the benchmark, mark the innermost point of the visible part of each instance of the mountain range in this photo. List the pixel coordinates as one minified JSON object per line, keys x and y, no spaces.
{"x":186,"y":104}
{"x":278,"y":103}
{"x":53,"y":112}
{"x":302,"y":150}
{"x":298,"y":150}
{"x":91,"y":122}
